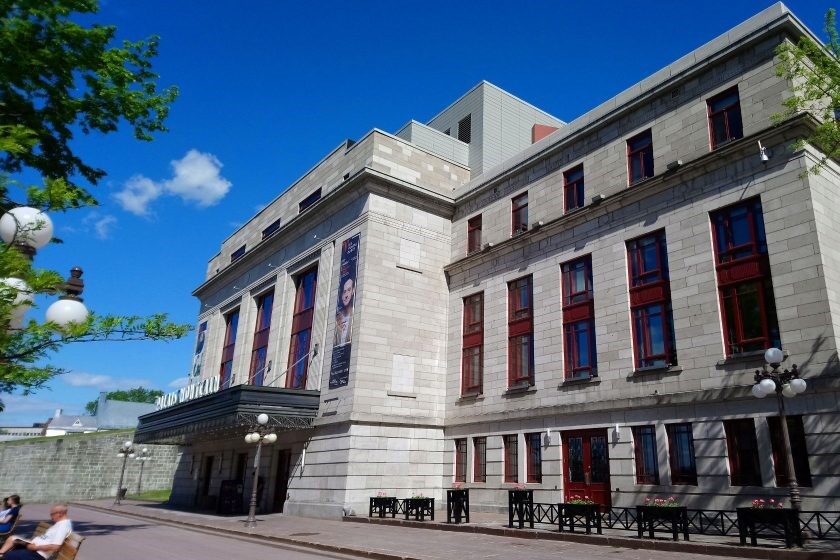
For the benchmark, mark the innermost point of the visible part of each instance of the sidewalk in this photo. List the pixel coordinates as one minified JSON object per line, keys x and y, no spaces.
{"x":486,"y":537}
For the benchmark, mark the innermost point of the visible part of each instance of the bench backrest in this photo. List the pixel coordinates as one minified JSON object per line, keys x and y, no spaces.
{"x":12,"y":528}
{"x":41,"y":529}
{"x":70,"y":548}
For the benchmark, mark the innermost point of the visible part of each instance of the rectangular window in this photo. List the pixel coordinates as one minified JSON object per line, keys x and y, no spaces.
{"x":474,"y":234}
{"x":533,"y":448}
{"x":520,"y":332}
{"x":640,"y":157}
{"x":309,"y":201}
{"x":743,"y":276}
{"x":238,"y":253}
{"x":259,"y":354}
{"x":480,"y":459}
{"x":226,"y":370}
{"x":573,"y":188}
{"x":473,"y":345}
{"x":681,"y":454}
{"x":798,"y":449}
{"x":650,"y":302}
{"x":578,"y":319}
{"x":306,"y":284}
{"x":725,"y":122}
{"x":272,"y":229}
{"x":744,"y":468}
{"x":644,"y":448}
{"x":519,"y":214}
{"x":465,"y":129}
{"x":511,"y":458}
{"x":460,"y":460}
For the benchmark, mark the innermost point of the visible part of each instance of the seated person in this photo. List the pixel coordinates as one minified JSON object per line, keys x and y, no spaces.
{"x":18,"y":548}
{"x":8,"y":516}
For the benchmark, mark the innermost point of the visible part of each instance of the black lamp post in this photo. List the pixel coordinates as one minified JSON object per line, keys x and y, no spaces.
{"x":785,"y":384}
{"x":261,"y":433}
{"x":142,"y":457}
{"x":126,"y":452}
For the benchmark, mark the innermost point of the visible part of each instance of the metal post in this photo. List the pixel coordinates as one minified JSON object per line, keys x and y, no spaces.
{"x":140,"y":478}
{"x":252,"y":511}
{"x":793,"y":485}
{"x":122,"y":475}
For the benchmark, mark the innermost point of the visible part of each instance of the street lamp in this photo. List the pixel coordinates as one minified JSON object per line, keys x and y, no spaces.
{"x":142,"y":457}
{"x":261,"y":433}
{"x":126,"y":452}
{"x":787,"y":384}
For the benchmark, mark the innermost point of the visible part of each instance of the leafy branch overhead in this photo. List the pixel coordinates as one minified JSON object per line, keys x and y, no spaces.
{"x":814,"y":72}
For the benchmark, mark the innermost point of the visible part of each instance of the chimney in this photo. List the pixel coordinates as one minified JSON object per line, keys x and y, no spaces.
{"x":57,"y":413}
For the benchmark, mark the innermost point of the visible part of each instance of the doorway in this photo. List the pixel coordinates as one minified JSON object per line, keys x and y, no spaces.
{"x":586,"y":463}
{"x":281,"y":483}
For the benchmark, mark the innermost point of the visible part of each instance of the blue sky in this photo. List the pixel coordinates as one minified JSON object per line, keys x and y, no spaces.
{"x":269,"y":87}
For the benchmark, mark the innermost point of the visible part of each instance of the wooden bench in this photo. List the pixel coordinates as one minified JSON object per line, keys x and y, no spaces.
{"x":4,"y":536}
{"x":69,"y":548}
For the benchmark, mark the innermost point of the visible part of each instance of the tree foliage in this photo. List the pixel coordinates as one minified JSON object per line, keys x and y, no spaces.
{"x":814,"y":72}
{"x":57,"y":78}
{"x":137,"y":394}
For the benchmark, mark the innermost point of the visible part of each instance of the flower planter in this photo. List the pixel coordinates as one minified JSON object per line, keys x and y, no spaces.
{"x":457,"y":506}
{"x":648,"y":518}
{"x":521,"y":508}
{"x":755,"y":522}
{"x":419,"y":508}
{"x":382,"y":506}
{"x":582,"y":515}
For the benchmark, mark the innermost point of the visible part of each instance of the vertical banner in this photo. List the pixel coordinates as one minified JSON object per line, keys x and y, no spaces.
{"x":199,"y":352}
{"x":340,"y":369}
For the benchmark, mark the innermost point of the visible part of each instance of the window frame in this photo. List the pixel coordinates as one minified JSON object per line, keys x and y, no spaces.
{"x":238,"y":254}
{"x":578,"y":306}
{"x":742,"y":452}
{"x":262,"y":330}
{"x":479,"y":459}
{"x":640,"y":146}
{"x":302,"y":319}
{"x":573,"y":189}
{"x":474,"y":234}
{"x":520,"y":330}
{"x":271,"y":229}
{"x":644,"y":443}
{"x":511,"y":458}
{"x":228,"y":348}
{"x":460,"y":474}
{"x":727,"y":112}
{"x":519,"y":214}
{"x":798,"y":448}
{"x":679,"y":475}
{"x":309,"y":200}
{"x":472,"y":340}
{"x":533,"y":451}
{"x":465,"y":129}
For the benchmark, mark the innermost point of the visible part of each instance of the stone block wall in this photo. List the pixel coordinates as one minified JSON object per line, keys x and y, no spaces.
{"x":80,"y":467}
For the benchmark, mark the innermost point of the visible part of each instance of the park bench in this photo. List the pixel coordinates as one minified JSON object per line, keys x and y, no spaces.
{"x":69,"y":548}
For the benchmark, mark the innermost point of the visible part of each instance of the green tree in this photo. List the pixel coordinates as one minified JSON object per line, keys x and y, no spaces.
{"x":59,"y":78}
{"x":814,"y":72}
{"x":138,"y":394}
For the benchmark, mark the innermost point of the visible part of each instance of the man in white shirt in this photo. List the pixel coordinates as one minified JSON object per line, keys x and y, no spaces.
{"x":17,"y":548}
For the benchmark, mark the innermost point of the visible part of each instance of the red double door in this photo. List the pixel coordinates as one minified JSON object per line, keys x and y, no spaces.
{"x":586,"y":465}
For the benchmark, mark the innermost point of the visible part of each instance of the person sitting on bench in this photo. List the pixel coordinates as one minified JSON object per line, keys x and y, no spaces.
{"x":17,"y":548}
{"x":8,"y":516}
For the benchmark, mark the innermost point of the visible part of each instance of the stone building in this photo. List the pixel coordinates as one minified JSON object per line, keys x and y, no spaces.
{"x":497,"y":297}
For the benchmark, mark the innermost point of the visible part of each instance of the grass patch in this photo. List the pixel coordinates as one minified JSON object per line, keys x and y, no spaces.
{"x":152,"y":495}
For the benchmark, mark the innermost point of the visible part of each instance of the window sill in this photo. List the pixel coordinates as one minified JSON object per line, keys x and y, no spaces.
{"x":653,"y":370}
{"x":519,"y":389}
{"x":579,"y":381}
{"x":402,"y":394}
{"x":756,"y":356}
{"x":469,"y":397}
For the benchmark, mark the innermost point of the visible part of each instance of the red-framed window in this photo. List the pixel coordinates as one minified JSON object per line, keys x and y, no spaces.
{"x":650,"y":302}
{"x":271,"y":229}
{"x":238,"y":253}
{"x":681,"y":454}
{"x":725,"y":122}
{"x":511,"y":442}
{"x":798,"y":449}
{"x":461,"y":460}
{"x":644,"y":450}
{"x":309,"y":200}
{"x":480,"y":459}
{"x":520,"y":332}
{"x":573,"y":188}
{"x":640,"y":157}
{"x":226,"y":369}
{"x":743,"y":275}
{"x":578,"y":319}
{"x":474,"y":234}
{"x":744,"y":467}
{"x":519,"y":214}
{"x":259,"y":354}
{"x":472,"y":353}
{"x":305,"y":286}
{"x":533,"y":449}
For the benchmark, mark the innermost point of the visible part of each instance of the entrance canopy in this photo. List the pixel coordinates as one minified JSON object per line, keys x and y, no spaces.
{"x":229,"y":413}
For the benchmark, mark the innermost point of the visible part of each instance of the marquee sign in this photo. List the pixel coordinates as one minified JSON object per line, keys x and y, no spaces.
{"x":188,"y":393}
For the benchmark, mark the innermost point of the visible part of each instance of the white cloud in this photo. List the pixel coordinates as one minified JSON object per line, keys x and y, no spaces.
{"x":24,"y":410}
{"x":138,"y":193}
{"x":196,"y":178}
{"x":179,"y":382}
{"x":102,"y":382}
{"x":101,"y":224}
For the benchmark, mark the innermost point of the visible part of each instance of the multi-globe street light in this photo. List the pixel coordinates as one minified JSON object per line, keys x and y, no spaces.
{"x":260,"y":433}
{"x":126,"y":452}
{"x":785,"y":384}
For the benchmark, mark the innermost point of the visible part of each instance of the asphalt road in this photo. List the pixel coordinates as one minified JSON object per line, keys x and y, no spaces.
{"x":109,"y":537}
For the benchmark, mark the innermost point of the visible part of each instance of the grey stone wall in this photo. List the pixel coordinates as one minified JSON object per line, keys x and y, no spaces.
{"x":80,"y":467}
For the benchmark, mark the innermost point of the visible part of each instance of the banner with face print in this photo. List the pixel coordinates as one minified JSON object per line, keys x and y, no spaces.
{"x":344,"y":308}
{"x":199,"y":352}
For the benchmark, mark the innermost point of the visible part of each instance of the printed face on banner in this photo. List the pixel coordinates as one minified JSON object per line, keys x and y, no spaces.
{"x":344,"y":310}
{"x":199,"y":350}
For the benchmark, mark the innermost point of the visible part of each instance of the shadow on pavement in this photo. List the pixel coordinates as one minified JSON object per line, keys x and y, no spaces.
{"x":84,"y":528}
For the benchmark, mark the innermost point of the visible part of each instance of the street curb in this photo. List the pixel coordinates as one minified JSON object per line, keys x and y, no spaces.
{"x":622,"y":542}
{"x":243,"y":535}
